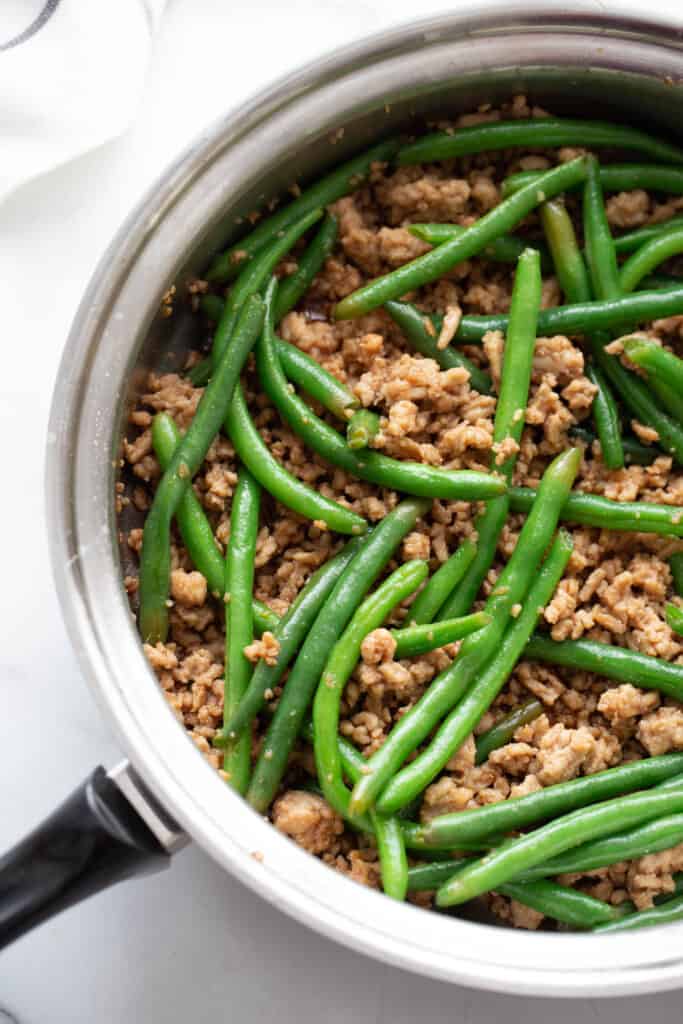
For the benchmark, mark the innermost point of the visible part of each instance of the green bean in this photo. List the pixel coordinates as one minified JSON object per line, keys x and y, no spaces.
{"x":505,"y":863}
{"x":289,"y":633}
{"x":419,"y":330}
{"x":676,"y":566}
{"x":594,"y":510}
{"x":534,"y":131}
{"x":519,"y":344}
{"x":659,"y":901}
{"x":573,"y":277}
{"x":606,"y":417}
{"x":651,"y":177}
{"x":290,"y":291}
{"x":635,"y":453}
{"x":561,"y":902}
{"x":353,"y":764}
{"x":303,"y":370}
{"x":310,"y":262}
{"x":278,"y":481}
{"x":614,"y":178}
{"x":349,"y":590}
{"x":437,"y":588}
{"x":583,"y":317}
{"x":316,"y":381}
{"x":239,"y":624}
{"x":658,"y":363}
{"x":392,"y":856}
{"x":391,"y":835}
{"x":557,"y":901}
{"x":670,"y":398}
{"x":200,"y":374}
{"x":424,"y":877}
{"x":408,"y":813}
{"x":351,"y":758}
{"x":674,"y":618}
{"x":663,"y":913}
{"x":508,"y":423}
{"x":608,"y":660}
{"x":661,"y":281}
{"x":409,"y":477}
{"x":264,"y":617}
{"x":418,"y":639}
{"x":600,"y":254}
{"x":478,"y":824}
{"x":649,"y":256}
{"x":664,"y":373}
{"x":413,"y":835}
{"x":506,"y":249}
{"x":633,"y":240}
{"x":341,"y":662}
{"x":604,"y":275}
{"x":506,"y":727}
{"x":448,"y":687}
{"x":332,"y":186}
{"x":253,"y":278}
{"x":567,"y":259}
{"x":488,"y":526}
{"x":437,"y":262}
{"x":155,"y":558}
{"x":195,"y":528}
{"x":655,"y":836}
{"x":339,"y":666}
{"x":416,"y":776}
{"x":362,"y":429}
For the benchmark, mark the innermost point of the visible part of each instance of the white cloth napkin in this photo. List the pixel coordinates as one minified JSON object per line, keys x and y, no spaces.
{"x":71,"y":75}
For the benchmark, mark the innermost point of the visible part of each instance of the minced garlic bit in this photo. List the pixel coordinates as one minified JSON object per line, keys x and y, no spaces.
{"x":449,"y":327}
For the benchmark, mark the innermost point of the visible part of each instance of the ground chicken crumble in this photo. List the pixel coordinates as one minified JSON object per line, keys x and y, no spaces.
{"x":614,"y":589}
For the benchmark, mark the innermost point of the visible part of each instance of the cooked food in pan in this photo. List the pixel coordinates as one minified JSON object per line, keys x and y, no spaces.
{"x":411,"y":571}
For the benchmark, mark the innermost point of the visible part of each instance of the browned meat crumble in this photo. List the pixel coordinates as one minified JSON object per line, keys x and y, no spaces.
{"x":615,"y":587}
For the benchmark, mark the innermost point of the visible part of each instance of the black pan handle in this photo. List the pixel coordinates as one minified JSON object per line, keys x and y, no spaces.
{"x":93,"y":840}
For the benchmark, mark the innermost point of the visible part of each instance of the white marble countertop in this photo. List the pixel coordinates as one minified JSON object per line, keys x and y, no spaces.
{"x":190,"y":944}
